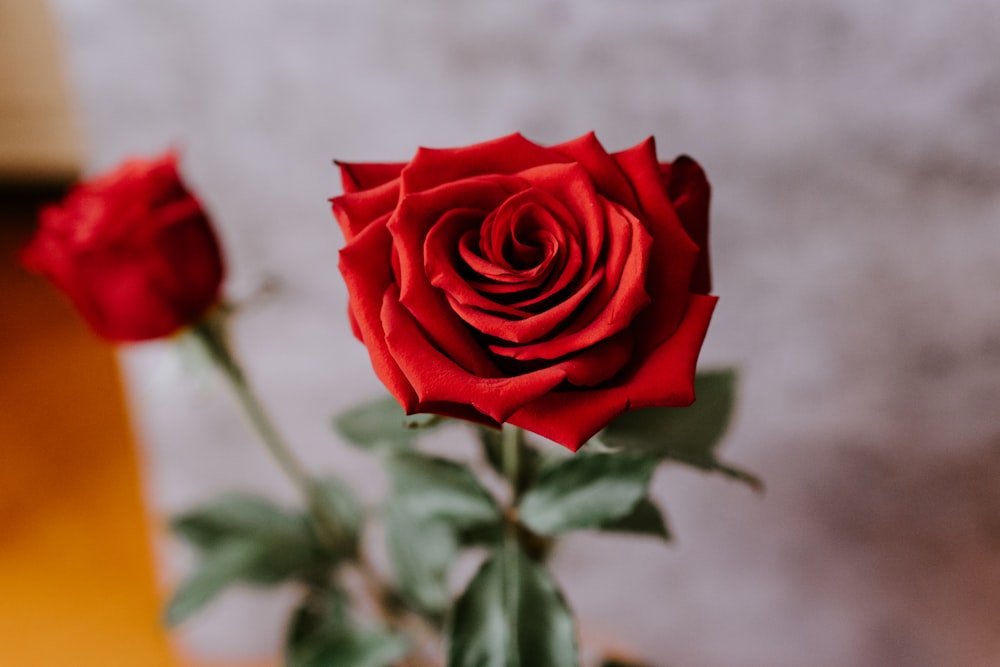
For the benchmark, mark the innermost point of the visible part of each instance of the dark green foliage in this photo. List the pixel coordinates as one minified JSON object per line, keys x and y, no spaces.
{"x":586,"y":492}
{"x":382,"y":424}
{"x":687,"y":435}
{"x":512,"y":615}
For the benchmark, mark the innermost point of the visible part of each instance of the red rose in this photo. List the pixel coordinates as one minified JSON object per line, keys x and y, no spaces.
{"x":551,"y":288}
{"x":134,"y":251}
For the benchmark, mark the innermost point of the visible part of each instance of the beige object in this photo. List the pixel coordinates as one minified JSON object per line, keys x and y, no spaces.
{"x":39,"y":138}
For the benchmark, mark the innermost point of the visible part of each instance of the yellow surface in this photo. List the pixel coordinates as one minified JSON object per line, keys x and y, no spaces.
{"x":77,"y":586}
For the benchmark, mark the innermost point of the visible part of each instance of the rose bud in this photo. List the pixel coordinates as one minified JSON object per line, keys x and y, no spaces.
{"x":134,"y":251}
{"x":549,"y":287}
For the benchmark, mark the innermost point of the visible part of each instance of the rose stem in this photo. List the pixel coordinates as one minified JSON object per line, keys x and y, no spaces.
{"x":210,"y":334}
{"x":510,"y":442}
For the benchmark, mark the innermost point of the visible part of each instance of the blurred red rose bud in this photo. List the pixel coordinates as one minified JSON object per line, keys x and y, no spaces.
{"x":133,"y":249}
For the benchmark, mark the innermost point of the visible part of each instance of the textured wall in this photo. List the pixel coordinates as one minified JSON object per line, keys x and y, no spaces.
{"x":853,"y":147}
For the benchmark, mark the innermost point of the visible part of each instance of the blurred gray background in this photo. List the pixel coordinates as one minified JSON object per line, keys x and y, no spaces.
{"x":854,"y":147}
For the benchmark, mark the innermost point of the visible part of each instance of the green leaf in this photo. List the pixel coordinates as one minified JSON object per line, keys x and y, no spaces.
{"x":436,"y":505}
{"x":382,"y":423}
{"x":586,"y":491}
{"x":644,"y":519}
{"x":217,"y":570}
{"x":511,"y":615}
{"x":529,"y":457}
{"x":321,"y":634}
{"x":437,"y":489}
{"x":356,"y":648}
{"x":687,"y":435}
{"x":421,"y":553}
{"x":237,"y":516}
{"x":335,"y":500}
{"x":246,"y":539}
{"x":285,"y":540}
{"x":484,"y":535}
{"x":322,"y":617}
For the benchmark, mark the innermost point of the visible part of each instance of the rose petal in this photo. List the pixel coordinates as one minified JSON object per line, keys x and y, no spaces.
{"x":531,"y":327}
{"x":410,"y":225}
{"x":598,"y":363}
{"x":613,"y":305}
{"x":357,"y":210}
{"x":443,"y":257}
{"x":190,"y":266}
{"x":367,"y":281}
{"x":432,"y":167}
{"x":436,"y":378}
{"x":663,"y":379}
{"x":673,"y":254}
{"x":443,"y":270}
{"x":355,"y":176}
{"x":550,"y":244}
{"x":690,"y":193}
{"x":608,"y":178}
{"x":569,"y":187}
{"x":417,"y":213}
{"x":122,"y":302}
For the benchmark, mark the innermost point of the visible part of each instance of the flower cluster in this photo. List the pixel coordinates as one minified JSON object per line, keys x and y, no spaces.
{"x":561,"y":291}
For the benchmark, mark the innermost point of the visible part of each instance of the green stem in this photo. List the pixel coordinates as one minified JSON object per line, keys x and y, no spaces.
{"x":511,"y":593}
{"x":510,"y":445}
{"x":510,"y":456}
{"x":210,"y":334}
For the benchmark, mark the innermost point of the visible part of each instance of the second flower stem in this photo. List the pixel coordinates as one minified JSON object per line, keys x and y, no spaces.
{"x":211,"y":335}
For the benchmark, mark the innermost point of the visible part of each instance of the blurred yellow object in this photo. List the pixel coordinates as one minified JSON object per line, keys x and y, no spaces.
{"x":77,"y":584}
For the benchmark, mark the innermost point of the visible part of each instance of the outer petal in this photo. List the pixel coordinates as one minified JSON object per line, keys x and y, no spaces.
{"x":355,"y":176}
{"x":673,"y":254}
{"x":431,"y":167}
{"x":364,"y":265}
{"x":357,"y":210}
{"x":186,"y":265}
{"x":690,"y":193}
{"x":664,"y":378}
{"x":121,"y":299}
